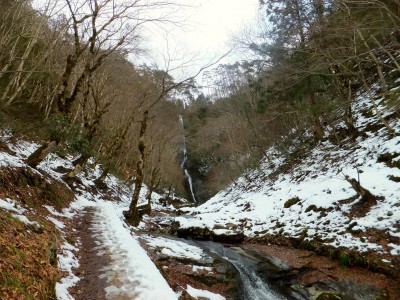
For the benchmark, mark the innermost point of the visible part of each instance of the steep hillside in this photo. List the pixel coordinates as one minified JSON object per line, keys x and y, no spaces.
{"x":42,"y":247}
{"x":340,"y":198}
{"x":337,"y":199}
{"x":69,"y":240}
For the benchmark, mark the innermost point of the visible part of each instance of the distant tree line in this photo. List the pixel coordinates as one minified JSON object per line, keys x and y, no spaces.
{"x":315,"y":58}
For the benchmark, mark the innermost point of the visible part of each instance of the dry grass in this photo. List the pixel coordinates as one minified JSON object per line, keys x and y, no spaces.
{"x":25,"y":268}
{"x":28,"y":269}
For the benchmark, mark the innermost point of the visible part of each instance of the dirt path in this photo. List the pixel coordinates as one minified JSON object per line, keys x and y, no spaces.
{"x":92,"y":260}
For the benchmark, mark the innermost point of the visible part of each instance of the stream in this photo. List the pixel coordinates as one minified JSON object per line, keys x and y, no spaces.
{"x":252,"y":273}
{"x":252,"y":286}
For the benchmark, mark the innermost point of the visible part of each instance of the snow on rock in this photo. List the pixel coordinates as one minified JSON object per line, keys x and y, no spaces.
{"x":195,"y":293}
{"x":175,"y":248}
{"x":201,"y":268}
{"x":7,"y":160}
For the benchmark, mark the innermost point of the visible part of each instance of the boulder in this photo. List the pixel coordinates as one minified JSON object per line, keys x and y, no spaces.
{"x":227,"y":236}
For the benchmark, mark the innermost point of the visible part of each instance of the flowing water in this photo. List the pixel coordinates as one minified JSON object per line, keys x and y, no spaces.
{"x":184,"y":150}
{"x":253,"y":287}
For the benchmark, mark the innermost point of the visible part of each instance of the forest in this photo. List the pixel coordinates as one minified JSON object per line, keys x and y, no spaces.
{"x":275,"y":176}
{"x":70,"y":80}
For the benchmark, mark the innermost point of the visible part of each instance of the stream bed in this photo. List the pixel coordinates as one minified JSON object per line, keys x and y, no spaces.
{"x":229,"y":271}
{"x":250,"y":273}
{"x":251,"y":285}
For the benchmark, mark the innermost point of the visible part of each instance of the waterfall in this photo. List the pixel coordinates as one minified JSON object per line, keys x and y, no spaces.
{"x":184,"y":150}
{"x":252,"y":285}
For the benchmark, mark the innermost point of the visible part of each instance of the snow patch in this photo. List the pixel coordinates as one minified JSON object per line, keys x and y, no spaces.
{"x":195,"y":293}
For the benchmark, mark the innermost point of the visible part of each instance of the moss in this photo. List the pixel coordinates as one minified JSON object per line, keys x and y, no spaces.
{"x":304,"y":233}
{"x":52,"y":194}
{"x":328,"y":296}
{"x":344,"y":259}
{"x":291,"y":202}
{"x":388,"y":159}
{"x":312,"y":208}
{"x":279,"y":224}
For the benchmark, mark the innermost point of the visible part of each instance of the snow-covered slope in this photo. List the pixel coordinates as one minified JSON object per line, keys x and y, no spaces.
{"x":312,"y":198}
{"x":137,"y":275}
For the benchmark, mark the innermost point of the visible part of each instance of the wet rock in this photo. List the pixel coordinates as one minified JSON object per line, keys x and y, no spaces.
{"x":318,"y":287}
{"x":205,"y":234}
{"x":328,"y":296}
{"x":174,"y":227}
{"x":227,"y":236}
{"x":197,"y":233}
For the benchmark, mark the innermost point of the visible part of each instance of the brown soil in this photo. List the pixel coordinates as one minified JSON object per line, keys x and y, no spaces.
{"x":92,"y":284}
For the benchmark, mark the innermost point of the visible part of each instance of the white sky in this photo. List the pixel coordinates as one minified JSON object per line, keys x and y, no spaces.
{"x":203,"y":36}
{"x":206,"y":33}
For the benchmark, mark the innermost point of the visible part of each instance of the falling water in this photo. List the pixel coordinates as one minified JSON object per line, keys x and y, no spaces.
{"x":252,"y":285}
{"x":189,"y":178}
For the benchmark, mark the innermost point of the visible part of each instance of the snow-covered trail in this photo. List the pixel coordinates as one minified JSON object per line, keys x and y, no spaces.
{"x":118,"y":265}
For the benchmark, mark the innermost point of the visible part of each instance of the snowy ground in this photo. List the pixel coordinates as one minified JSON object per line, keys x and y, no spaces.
{"x":257,"y":206}
{"x":137,"y":275}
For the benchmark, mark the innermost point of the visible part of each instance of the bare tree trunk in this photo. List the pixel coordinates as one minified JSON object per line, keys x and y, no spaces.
{"x":318,"y":128}
{"x":37,"y":156}
{"x":152,"y":185}
{"x":132,"y":215}
{"x":360,"y":190}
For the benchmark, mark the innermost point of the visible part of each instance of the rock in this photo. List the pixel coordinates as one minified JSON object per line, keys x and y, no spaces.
{"x":174,"y":227}
{"x":144,"y":209}
{"x":197,"y":233}
{"x":306,"y":281}
{"x":52,"y":250}
{"x":35,"y":227}
{"x":227,"y":236}
{"x":132,"y":220}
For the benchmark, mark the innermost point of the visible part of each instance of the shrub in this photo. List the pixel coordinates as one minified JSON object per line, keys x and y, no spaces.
{"x":291,"y":202}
